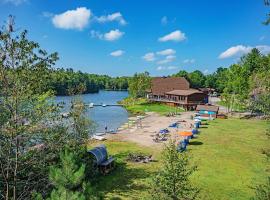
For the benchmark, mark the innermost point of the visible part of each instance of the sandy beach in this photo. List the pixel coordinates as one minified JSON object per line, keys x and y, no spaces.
{"x":151,"y":124}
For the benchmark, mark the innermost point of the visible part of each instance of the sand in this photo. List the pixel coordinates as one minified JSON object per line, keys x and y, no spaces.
{"x":151,"y":125}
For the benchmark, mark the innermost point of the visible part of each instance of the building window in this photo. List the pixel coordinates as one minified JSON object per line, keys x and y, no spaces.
{"x":182,"y":98}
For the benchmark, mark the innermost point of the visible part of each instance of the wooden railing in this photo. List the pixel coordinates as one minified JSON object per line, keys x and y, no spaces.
{"x":166,"y":100}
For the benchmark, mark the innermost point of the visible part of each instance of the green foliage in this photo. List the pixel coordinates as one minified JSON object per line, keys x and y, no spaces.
{"x":139,"y":84}
{"x":267,"y":21}
{"x":197,"y":79}
{"x":262,"y":192}
{"x":32,"y":131}
{"x":68,"y":180}
{"x":69,"y":82}
{"x":173,"y":179}
{"x":82,"y":126}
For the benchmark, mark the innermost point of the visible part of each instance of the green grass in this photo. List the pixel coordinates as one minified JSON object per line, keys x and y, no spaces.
{"x":228,"y":154}
{"x":140,"y":106}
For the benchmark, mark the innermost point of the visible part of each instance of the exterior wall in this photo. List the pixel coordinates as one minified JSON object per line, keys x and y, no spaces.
{"x":198,"y":97}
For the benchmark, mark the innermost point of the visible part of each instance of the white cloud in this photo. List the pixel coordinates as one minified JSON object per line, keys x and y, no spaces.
{"x":164,"y":20}
{"x":112,"y":17}
{"x":159,"y":68}
{"x":240,"y":50}
{"x":149,"y":57}
{"x":112,"y":35}
{"x":235,"y":50}
{"x":117,"y":53}
{"x":72,"y":19}
{"x":166,"y":52}
{"x":167,"y":59}
{"x":175,"y":36}
{"x":189,"y":61}
{"x":15,"y":2}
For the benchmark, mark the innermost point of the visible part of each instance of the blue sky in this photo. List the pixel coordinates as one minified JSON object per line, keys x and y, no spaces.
{"x":121,"y":37}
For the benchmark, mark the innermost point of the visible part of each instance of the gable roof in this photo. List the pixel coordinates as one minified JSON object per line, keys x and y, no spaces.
{"x":207,"y":108}
{"x":161,"y":85}
{"x":185,"y":92}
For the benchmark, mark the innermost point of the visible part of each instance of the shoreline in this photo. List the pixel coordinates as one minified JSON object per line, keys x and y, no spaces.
{"x":151,"y":124}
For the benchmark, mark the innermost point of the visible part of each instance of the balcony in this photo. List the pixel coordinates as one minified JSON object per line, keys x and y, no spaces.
{"x":183,"y":102}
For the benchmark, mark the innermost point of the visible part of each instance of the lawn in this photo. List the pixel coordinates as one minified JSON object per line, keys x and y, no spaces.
{"x":140,"y":106}
{"x":228,"y":154}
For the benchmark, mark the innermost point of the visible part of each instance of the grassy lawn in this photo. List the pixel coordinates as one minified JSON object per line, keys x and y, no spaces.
{"x":140,"y":106}
{"x":228,"y":154}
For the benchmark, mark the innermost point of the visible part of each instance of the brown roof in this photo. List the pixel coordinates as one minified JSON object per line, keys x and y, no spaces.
{"x":184,"y":92}
{"x":207,"y":107}
{"x":161,"y":85}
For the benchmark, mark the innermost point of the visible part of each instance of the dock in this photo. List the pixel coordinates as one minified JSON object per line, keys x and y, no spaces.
{"x":102,"y":105}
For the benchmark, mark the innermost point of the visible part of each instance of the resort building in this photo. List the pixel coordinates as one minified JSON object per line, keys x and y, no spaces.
{"x":176,"y":91}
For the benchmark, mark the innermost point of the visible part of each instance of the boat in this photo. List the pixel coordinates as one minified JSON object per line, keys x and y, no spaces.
{"x":104,"y":105}
{"x":91,"y":105}
{"x":100,"y":133}
{"x":97,"y":137}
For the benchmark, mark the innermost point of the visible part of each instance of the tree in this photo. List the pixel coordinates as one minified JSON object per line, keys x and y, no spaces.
{"x":182,"y":73}
{"x":267,"y":21}
{"x":139,"y":84}
{"x":68,"y":179}
{"x":172,"y":181}
{"x":32,"y":131}
{"x":196,"y":79}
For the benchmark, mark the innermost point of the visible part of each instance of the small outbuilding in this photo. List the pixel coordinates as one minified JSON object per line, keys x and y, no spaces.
{"x":207,"y":110}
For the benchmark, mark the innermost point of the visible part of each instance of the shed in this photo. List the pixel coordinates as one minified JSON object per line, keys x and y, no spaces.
{"x":104,"y":163}
{"x":207,"y":110}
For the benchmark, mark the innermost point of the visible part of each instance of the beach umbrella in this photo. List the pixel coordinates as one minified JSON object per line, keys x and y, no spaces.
{"x":185,"y":133}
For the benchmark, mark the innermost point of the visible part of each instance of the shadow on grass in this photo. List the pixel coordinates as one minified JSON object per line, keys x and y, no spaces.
{"x":204,"y":126}
{"x":195,"y":143}
{"x":125,"y":178}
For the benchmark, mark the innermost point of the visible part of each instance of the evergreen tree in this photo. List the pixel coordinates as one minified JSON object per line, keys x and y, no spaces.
{"x":172,"y":181}
{"x":68,"y":179}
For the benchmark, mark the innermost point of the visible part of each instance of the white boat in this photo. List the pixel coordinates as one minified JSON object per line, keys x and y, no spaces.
{"x":91,"y":105}
{"x":100,"y":133}
{"x":104,"y":105}
{"x":97,"y":137}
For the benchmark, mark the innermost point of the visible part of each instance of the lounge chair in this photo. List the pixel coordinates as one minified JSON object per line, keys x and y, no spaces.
{"x":174,"y":125}
{"x":164,"y":131}
{"x":182,"y":146}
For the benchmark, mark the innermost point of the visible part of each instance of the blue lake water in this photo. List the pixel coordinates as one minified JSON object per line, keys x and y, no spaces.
{"x":111,"y":116}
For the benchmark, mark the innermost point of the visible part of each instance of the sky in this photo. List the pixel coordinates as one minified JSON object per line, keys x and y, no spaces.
{"x":122,"y":37}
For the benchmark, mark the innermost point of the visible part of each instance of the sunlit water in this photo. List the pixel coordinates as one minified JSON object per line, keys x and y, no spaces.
{"x":111,"y":116}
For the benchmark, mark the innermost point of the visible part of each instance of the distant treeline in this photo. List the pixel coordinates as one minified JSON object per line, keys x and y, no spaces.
{"x":198,"y":79}
{"x":69,"y":82}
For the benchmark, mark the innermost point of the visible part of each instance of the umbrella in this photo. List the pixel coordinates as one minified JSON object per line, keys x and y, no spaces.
{"x":185,"y":133}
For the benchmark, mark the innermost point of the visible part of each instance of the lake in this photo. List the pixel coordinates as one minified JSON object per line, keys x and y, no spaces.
{"x":111,"y":116}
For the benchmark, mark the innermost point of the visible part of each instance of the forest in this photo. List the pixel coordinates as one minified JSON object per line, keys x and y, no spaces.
{"x":69,"y":82}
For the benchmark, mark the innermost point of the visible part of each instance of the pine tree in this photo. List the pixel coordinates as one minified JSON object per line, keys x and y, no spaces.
{"x":172,"y":182}
{"x":68,"y":180}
